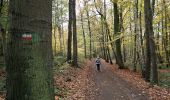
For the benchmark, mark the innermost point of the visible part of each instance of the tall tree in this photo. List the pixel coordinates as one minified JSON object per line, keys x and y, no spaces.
{"x":89,"y":28}
{"x":165,"y":31}
{"x":117,"y":32}
{"x":150,"y":44}
{"x":55,"y":26}
{"x":69,"y":41}
{"x":136,"y":33}
{"x":74,"y":34}
{"x":84,"y":36}
{"x":142,"y":61}
{"x":72,"y":30}
{"x":29,"y":65}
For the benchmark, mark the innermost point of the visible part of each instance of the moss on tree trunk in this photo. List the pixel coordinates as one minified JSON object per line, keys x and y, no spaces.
{"x":29,"y":51}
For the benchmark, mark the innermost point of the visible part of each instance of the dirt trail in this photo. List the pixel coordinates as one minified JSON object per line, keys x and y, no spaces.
{"x":112,"y":87}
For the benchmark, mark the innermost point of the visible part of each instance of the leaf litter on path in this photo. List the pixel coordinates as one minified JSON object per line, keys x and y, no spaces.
{"x":155,"y":92}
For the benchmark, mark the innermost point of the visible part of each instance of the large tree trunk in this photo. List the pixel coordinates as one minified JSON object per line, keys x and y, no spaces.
{"x":142,"y":47}
{"x":69,"y":41}
{"x":74,"y":34}
{"x":166,"y":42}
{"x":29,"y":51}
{"x":117,"y":31}
{"x":151,"y":54}
{"x":136,"y":34}
{"x":2,"y":34}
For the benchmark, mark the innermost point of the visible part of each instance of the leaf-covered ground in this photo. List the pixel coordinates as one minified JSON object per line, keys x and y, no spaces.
{"x":155,"y":92}
{"x":109,"y":84}
{"x":78,"y":83}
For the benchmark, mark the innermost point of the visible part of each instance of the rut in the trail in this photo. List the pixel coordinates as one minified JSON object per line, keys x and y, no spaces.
{"x":112,"y":87}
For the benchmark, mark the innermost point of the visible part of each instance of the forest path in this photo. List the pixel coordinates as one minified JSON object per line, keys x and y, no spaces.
{"x":111,"y":87}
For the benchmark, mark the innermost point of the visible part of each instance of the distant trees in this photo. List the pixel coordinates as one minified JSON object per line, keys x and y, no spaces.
{"x":29,"y":51}
{"x":104,"y":33}
{"x":59,"y":17}
{"x":84,"y":36}
{"x":89,"y":29}
{"x":140,"y":33}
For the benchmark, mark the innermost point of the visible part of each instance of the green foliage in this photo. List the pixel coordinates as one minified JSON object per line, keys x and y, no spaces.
{"x":59,"y":60}
{"x":4,"y":18}
{"x":164,"y":79}
{"x":164,"y":66}
{"x":60,"y":63}
{"x":81,"y":58}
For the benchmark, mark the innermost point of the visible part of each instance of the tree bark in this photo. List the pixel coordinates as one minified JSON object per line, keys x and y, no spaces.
{"x":29,"y":51}
{"x":74,"y":35}
{"x":69,"y":41}
{"x":166,"y":42}
{"x":136,"y":34}
{"x":143,"y":68}
{"x":151,"y":54}
{"x":2,"y":33}
{"x":117,"y":31}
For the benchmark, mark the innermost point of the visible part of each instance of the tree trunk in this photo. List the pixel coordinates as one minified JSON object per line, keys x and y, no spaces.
{"x":2,"y":34}
{"x":151,"y":54}
{"x":55,"y":40}
{"x":103,"y":38}
{"x":63,"y":40}
{"x":54,"y":34}
{"x":69,"y":41}
{"x":29,"y":65}
{"x":84,"y":36}
{"x":117,"y":31}
{"x":166,"y":33}
{"x":60,"y":37}
{"x":136,"y":34}
{"x":160,"y":60}
{"x":90,"y":34}
{"x":143,"y":68}
{"x":74,"y":34}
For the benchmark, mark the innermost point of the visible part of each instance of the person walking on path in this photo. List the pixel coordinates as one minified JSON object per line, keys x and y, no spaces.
{"x":98,"y":63}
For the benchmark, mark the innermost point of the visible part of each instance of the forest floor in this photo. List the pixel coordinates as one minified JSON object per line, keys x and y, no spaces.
{"x":109,"y":84}
{"x":86,"y":83}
